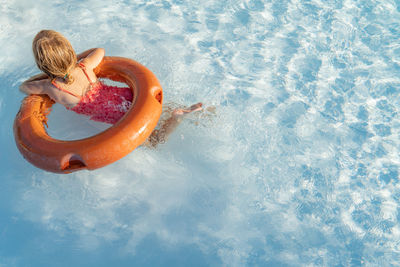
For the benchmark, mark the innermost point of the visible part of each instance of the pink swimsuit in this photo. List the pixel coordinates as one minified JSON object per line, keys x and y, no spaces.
{"x":104,"y":103}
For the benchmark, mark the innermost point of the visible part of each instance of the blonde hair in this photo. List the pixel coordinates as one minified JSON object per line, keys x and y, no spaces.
{"x":54,"y":55}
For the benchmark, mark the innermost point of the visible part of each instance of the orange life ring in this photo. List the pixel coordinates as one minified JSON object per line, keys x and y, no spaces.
{"x":104,"y":148}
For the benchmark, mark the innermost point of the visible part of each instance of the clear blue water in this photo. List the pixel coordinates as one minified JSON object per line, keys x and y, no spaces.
{"x":298,"y":167}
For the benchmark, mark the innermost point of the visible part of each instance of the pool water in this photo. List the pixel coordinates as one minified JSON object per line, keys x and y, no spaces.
{"x":297,"y":166}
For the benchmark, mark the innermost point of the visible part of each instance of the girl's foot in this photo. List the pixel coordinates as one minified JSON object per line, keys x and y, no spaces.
{"x":181,"y":111}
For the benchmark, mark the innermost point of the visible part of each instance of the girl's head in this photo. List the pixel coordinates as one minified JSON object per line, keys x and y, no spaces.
{"x":54,"y":54}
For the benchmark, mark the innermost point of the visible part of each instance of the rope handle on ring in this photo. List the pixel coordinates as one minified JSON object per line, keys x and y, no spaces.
{"x":44,"y":111}
{"x":42,"y":117}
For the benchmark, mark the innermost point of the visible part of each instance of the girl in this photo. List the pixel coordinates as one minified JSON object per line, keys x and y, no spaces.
{"x":69,"y":80}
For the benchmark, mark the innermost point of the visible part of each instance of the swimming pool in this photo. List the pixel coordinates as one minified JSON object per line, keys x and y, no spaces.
{"x":298,"y":166}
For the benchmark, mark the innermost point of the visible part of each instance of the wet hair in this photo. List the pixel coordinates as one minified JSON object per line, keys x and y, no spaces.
{"x":54,"y":55}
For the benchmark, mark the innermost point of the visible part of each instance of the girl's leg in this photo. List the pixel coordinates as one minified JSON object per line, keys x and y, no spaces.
{"x":170,"y":124}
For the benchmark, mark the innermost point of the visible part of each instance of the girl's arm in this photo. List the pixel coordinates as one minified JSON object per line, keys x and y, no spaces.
{"x":41,"y":76}
{"x":34,"y":85}
{"x":92,"y":57}
{"x":84,"y":53}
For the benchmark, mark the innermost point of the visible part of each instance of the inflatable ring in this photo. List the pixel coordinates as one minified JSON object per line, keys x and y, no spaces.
{"x":104,"y":148}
